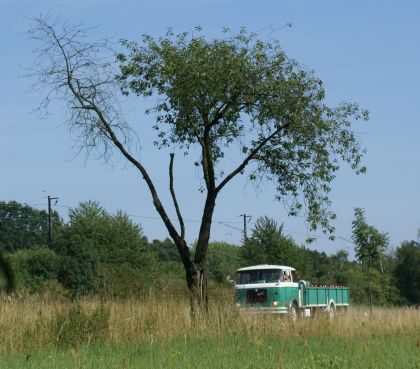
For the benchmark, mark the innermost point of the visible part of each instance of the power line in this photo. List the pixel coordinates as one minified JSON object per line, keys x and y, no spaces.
{"x":229,"y":226}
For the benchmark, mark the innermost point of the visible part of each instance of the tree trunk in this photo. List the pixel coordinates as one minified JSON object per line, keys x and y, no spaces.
{"x":370,"y":290}
{"x":196,"y":277}
{"x":197,"y":273}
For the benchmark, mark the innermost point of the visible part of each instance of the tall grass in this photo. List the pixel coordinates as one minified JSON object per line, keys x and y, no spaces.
{"x":34,"y":323}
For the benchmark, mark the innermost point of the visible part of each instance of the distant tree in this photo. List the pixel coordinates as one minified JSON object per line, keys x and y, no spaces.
{"x":222,"y":260}
{"x":33,"y":267}
{"x":79,"y":264}
{"x":353,"y":277}
{"x":171,"y":273}
{"x":407,"y":271}
{"x":23,"y":227}
{"x":95,"y":244}
{"x":370,"y":244}
{"x":269,"y":245}
{"x":165,"y":250}
{"x":321,"y":265}
{"x":212,"y":97}
{"x":337,"y":262}
{"x":382,"y":286}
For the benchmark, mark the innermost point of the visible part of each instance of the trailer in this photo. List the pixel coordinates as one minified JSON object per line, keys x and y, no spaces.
{"x":277,"y":289}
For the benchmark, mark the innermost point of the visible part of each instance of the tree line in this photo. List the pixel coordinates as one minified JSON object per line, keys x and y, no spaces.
{"x":98,"y":253}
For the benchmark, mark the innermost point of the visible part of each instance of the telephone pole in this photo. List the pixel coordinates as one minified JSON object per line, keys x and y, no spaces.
{"x":50,"y":236}
{"x":245,"y":217}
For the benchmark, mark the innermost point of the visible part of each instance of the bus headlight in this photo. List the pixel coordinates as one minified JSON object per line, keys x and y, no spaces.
{"x":275,"y":303}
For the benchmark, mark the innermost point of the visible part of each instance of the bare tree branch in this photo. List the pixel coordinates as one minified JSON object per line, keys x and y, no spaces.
{"x":89,"y":88}
{"x":171,"y":187}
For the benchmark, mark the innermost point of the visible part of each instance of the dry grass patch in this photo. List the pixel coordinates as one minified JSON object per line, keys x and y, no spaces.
{"x":33,"y":324}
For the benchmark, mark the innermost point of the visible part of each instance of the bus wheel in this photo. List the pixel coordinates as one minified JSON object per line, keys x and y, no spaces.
{"x":331,"y":310}
{"x":293,"y":311}
{"x":342,"y":310}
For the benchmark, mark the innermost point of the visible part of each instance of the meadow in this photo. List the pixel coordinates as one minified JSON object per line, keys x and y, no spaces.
{"x":160,"y":333}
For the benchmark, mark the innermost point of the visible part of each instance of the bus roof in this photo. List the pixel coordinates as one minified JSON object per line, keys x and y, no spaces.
{"x":265,"y":266}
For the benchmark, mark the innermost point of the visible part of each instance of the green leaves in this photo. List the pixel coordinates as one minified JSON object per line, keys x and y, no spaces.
{"x":407,"y":272}
{"x":23,"y":227}
{"x":203,"y":84}
{"x":370,"y":243}
{"x":269,"y":245}
{"x":95,"y":243}
{"x":242,"y":93}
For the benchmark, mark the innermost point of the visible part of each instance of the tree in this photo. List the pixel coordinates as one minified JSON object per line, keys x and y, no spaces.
{"x":95,"y":245}
{"x":222,"y":260}
{"x":333,"y":265}
{"x":407,"y":271}
{"x":236,"y":93}
{"x":269,"y":245}
{"x":35,"y":266}
{"x":23,"y":227}
{"x":370,"y":244}
{"x":80,"y":261}
{"x":165,"y":251}
{"x":381,"y":286}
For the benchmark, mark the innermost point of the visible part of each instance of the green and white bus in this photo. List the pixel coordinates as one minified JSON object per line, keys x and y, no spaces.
{"x":277,"y":289}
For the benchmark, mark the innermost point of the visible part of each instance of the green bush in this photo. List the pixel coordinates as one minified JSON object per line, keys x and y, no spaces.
{"x":35,"y":268}
{"x":78,"y":271}
{"x":74,"y":327}
{"x":122,"y":281}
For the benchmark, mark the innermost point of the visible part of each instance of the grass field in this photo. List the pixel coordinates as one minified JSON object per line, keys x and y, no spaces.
{"x":398,"y":351}
{"x":133,"y":334}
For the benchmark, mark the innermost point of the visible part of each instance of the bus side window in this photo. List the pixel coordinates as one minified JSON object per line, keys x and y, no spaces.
{"x":281,"y":276}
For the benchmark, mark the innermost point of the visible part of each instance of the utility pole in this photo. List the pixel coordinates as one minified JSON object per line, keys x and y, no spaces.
{"x":245,"y":222}
{"x":50,"y":236}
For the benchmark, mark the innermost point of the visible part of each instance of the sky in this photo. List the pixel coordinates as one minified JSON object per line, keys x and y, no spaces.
{"x":364,"y":51}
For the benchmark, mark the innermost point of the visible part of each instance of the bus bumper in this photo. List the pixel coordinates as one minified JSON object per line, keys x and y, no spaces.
{"x":264,"y":310}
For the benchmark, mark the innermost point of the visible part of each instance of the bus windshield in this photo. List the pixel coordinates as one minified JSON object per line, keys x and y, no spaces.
{"x":258,"y":276}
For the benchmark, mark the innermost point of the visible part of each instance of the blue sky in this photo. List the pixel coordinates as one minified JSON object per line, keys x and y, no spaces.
{"x":365,"y":51}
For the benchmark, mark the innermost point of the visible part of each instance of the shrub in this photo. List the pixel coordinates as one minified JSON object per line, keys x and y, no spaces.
{"x":34,"y":268}
{"x":73,"y":327}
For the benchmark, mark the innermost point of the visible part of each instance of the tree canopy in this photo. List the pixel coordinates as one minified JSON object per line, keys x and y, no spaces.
{"x":269,"y":245}
{"x":240,"y":93}
{"x":22,"y":226}
{"x":94,"y":244}
{"x":407,"y":272}
{"x":370,"y":244}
